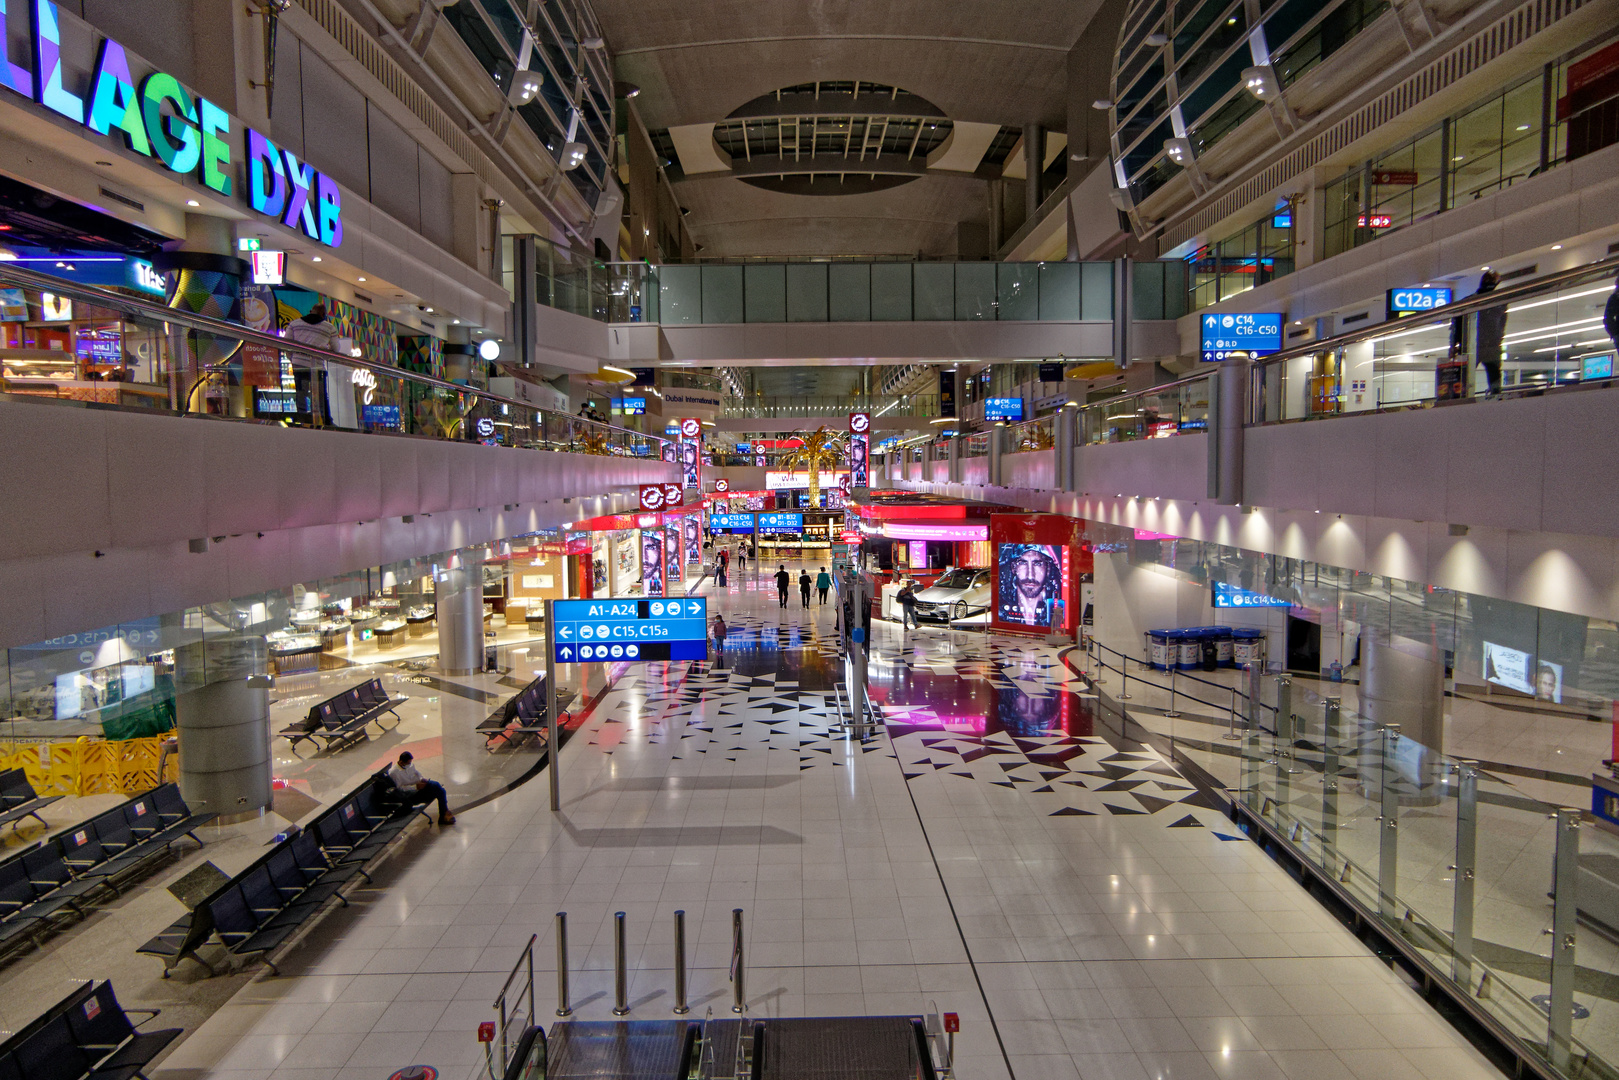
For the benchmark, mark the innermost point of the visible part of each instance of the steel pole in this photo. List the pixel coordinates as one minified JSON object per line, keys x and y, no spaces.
{"x":621,"y":982}
{"x":1565,"y":903}
{"x":681,"y":1008}
{"x":563,"y":1008}
{"x":1388,"y":837}
{"x":740,"y":997}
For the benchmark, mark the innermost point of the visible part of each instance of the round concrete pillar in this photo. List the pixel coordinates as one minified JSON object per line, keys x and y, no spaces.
{"x":459,"y":602}
{"x":222,"y":711}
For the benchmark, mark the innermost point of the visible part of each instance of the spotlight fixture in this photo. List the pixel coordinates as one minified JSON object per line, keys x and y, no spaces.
{"x":1261,"y":82}
{"x":573,"y":156}
{"x":525,"y":84}
{"x":1179,"y":151}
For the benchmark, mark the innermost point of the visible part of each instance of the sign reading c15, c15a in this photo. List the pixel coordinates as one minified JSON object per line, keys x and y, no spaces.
{"x":161,"y":119}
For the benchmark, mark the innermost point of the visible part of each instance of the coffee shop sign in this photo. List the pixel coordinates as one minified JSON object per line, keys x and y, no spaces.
{"x":187,"y":133}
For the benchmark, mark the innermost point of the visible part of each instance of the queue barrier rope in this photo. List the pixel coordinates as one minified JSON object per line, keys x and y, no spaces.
{"x":86,"y":766}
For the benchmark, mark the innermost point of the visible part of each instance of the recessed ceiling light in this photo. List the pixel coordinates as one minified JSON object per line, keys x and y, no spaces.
{"x":1557,"y":247}
{"x":359,"y":279}
{"x":193,"y":202}
{"x":316,"y":259}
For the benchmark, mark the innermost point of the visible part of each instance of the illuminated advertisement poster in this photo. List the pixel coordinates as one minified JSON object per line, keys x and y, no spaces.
{"x":756,"y":502}
{"x":859,"y":448}
{"x":1039,"y":559}
{"x":652,"y":561}
{"x":668,"y":451}
{"x":689,"y":463}
{"x":1030,"y":583}
{"x":1517,"y":670}
{"x":694,"y":540}
{"x":671,"y":551}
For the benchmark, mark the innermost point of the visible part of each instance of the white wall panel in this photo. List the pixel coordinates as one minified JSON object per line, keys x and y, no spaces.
{"x":335,"y":138}
{"x":395,"y":184}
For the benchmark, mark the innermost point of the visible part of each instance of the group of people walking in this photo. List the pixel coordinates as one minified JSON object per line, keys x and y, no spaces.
{"x":821,"y":583}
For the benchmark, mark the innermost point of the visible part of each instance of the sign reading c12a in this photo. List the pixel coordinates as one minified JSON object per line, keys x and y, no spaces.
{"x":186,"y":132}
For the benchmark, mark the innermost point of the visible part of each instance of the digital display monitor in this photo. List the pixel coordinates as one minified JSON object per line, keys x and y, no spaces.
{"x":632,"y":406}
{"x":1028,"y":583}
{"x":380,"y":415}
{"x":1003,"y":408}
{"x":1227,"y":595}
{"x":1250,"y":333}
{"x":1597,"y":367}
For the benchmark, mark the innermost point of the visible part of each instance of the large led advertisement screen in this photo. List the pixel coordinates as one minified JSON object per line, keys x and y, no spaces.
{"x":1030,"y":583}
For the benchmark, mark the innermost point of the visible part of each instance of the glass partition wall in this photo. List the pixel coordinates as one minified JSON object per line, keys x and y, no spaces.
{"x":1430,"y":751}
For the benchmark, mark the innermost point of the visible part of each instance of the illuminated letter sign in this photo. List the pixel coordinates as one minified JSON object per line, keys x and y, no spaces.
{"x":187,"y":133}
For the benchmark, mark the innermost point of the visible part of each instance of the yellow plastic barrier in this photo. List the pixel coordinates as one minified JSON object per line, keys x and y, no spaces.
{"x":88,"y":766}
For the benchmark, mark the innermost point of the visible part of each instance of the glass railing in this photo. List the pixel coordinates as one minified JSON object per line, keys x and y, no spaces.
{"x":778,"y":405}
{"x":1548,"y":332}
{"x":840,"y":291}
{"x":90,"y":345}
{"x":1037,"y":434}
{"x":1449,"y":856}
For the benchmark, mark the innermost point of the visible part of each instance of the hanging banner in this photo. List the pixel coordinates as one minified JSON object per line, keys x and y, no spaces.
{"x":652,"y":556}
{"x":671,"y":553}
{"x":859,"y":448}
{"x":691,"y":442}
{"x":694,"y":540}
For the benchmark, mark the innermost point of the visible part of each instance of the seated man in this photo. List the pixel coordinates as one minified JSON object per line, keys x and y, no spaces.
{"x":413,"y":789}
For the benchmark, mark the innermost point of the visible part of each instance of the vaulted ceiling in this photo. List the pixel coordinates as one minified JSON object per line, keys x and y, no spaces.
{"x":997,"y":62}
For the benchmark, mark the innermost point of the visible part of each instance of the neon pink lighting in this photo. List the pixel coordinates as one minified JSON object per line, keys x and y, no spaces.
{"x":895,"y":530}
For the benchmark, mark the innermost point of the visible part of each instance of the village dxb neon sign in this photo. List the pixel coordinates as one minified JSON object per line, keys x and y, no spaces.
{"x":188,"y":134}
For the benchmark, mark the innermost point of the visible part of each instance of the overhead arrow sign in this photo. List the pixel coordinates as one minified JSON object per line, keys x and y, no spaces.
{"x":564,"y":632}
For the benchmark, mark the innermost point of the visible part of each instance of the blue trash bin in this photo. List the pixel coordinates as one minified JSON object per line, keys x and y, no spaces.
{"x":1190,"y":654}
{"x":1159,"y":654}
{"x":1247,"y":646}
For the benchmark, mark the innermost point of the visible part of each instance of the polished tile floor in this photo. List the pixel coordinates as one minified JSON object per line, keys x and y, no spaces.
{"x":1000,"y":852}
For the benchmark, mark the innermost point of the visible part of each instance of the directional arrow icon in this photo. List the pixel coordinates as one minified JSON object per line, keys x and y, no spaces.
{"x":564,"y":632}
{"x":696,"y":607}
{"x":567,"y":652}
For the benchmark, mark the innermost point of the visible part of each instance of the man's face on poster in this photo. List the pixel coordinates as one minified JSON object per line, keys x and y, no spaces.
{"x":1032,"y":572}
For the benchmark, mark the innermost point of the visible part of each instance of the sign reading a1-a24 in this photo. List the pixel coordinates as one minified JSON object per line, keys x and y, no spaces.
{"x":630,"y":629}
{"x":1251,"y":333}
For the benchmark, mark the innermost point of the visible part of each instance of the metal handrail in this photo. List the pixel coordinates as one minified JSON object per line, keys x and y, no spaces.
{"x":1125,"y":658}
{"x":19,"y":277}
{"x":1602,"y":268}
{"x":524,"y":989}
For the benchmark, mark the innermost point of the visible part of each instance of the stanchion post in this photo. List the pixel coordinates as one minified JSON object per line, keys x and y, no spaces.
{"x":621,"y":982}
{"x":681,"y":1008}
{"x":1172,"y":713}
{"x":1388,"y":835}
{"x":738,"y":972}
{"x":563,"y":1008}
{"x":1231,"y":729}
{"x":1461,"y":951}
{"x":552,"y":746}
{"x":1565,"y":885}
{"x":1124,"y":671}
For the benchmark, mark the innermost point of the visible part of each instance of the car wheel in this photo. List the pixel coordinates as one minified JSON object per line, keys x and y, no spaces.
{"x":959,"y":611}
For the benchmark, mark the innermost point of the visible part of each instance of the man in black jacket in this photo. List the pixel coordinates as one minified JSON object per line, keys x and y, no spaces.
{"x":783,"y":579}
{"x":1491,"y":329}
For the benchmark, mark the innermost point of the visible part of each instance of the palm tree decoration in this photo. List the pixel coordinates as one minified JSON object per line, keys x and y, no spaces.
{"x":821,"y":449}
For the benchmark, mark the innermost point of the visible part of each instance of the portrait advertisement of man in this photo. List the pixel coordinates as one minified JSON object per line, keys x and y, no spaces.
{"x":1030,"y":580}
{"x":688,"y":463}
{"x":651,"y":562}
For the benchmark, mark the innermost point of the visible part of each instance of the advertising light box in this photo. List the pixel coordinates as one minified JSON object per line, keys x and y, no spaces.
{"x":1251,"y":333}
{"x":1003,"y":408}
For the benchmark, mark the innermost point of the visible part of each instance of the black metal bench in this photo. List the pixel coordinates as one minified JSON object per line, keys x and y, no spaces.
{"x":342,"y":719}
{"x":19,"y":800}
{"x":58,"y":879}
{"x":523,"y":717}
{"x":261,"y":908}
{"x":86,"y":1034}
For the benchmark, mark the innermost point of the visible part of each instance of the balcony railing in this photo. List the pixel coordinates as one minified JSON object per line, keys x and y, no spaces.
{"x":115,"y":351}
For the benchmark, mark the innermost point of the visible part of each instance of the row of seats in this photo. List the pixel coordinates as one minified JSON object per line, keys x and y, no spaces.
{"x":19,"y":800}
{"x":87,"y":1034}
{"x":264,"y":905}
{"x":522,"y":718}
{"x":62,"y":876}
{"x":342,"y":718}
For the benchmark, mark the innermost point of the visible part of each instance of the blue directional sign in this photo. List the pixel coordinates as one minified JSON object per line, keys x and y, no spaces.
{"x":736,"y":523}
{"x":594,"y":631}
{"x":1407,"y":301}
{"x":1227,"y":595}
{"x":1252,"y":333}
{"x":784,"y":523}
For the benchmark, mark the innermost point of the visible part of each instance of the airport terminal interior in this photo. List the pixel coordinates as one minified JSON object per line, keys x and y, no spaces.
{"x":562,"y":539}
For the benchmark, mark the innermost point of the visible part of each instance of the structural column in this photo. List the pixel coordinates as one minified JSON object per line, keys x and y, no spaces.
{"x":459,"y":602}
{"x":222,"y":712}
{"x":1034,"y":163}
{"x":994,"y":479}
{"x":1228,"y":412}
